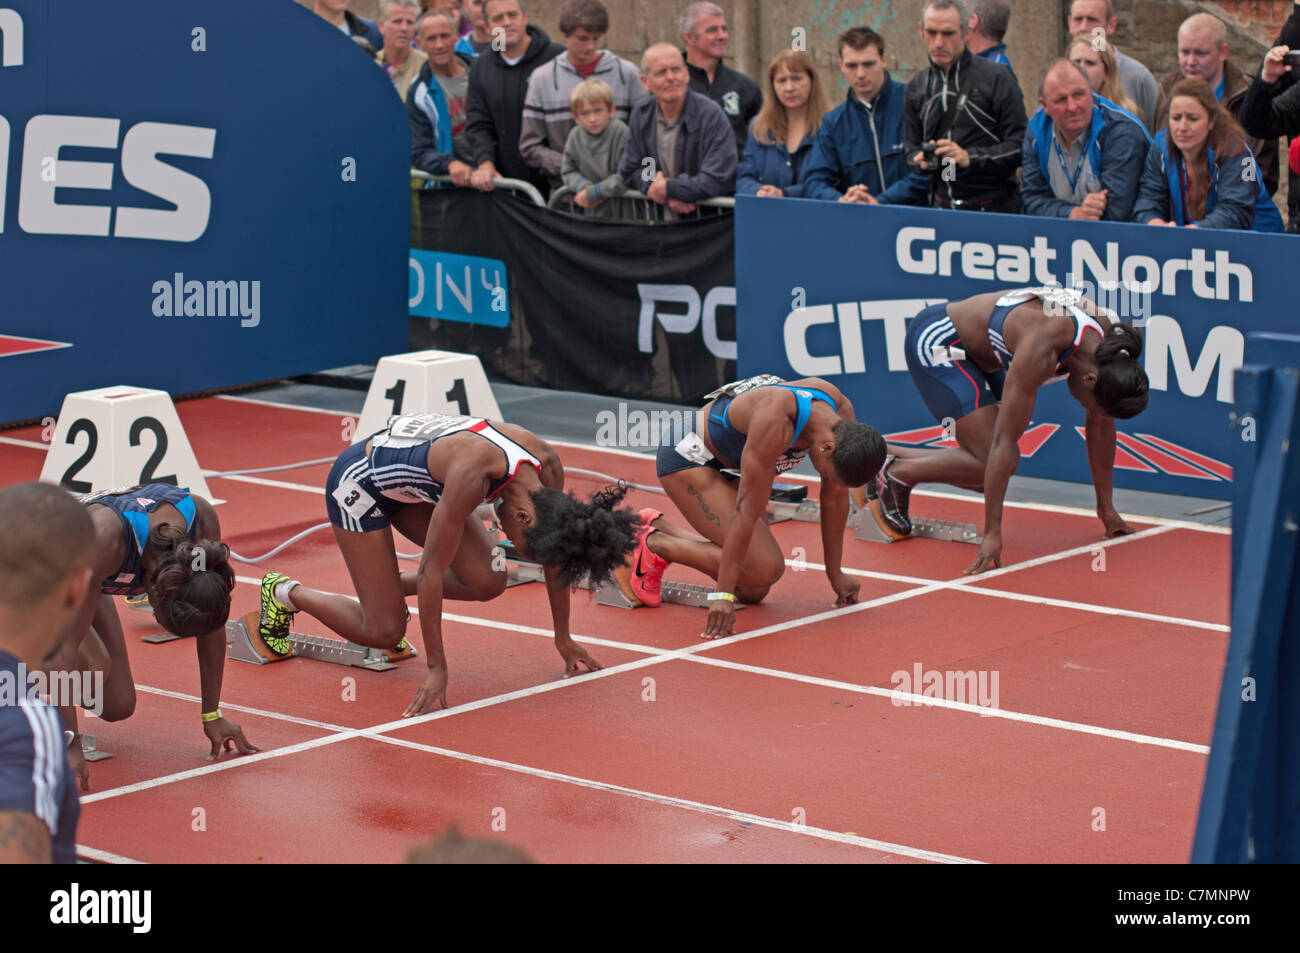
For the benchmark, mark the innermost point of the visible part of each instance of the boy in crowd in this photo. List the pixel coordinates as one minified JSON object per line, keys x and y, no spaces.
{"x":594,"y":149}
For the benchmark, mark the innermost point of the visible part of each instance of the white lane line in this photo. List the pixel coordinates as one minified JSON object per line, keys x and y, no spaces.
{"x":103,"y":856}
{"x":339,"y":414}
{"x":18,"y":442}
{"x":1021,"y":597}
{"x":260,"y":712}
{"x":697,"y":807}
{"x":280,"y":484}
{"x":920,"y":701}
{"x":363,"y":732}
{"x":960,"y":583}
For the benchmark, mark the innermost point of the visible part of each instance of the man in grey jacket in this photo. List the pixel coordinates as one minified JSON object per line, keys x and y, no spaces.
{"x":547,"y":116}
{"x":680,"y":149}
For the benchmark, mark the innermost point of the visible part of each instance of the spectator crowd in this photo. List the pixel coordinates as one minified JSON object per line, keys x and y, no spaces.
{"x":490,"y":95}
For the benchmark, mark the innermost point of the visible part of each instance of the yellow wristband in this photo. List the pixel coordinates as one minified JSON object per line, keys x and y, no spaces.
{"x":208,"y":716}
{"x":712,"y":596}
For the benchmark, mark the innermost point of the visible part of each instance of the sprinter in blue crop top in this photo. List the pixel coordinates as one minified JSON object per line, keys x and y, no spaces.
{"x":425,"y":475}
{"x":163,"y":542}
{"x":760,"y":427}
{"x":979,"y":363}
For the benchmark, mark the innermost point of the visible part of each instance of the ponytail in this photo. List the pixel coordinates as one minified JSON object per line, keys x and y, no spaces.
{"x":191,"y":583}
{"x":1121,"y":389}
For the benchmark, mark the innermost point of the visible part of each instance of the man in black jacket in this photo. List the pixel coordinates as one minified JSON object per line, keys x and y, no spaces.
{"x":704,"y":28}
{"x":1272,"y":104}
{"x":964,"y":119}
{"x":498,"y":83}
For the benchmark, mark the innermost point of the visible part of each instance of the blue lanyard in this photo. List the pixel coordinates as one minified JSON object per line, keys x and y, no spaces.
{"x":1078,"y":170}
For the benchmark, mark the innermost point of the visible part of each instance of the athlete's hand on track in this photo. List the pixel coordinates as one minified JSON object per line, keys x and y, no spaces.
{"x":432,"y":689}
{"x":223,"y":733}
{"x":846,"y":590}
{"x":77,"y":761}
{"x":722,"y":617}
{"x":575,"y":655}
{"x":1114,"y":523}
{"x":990,"y":555}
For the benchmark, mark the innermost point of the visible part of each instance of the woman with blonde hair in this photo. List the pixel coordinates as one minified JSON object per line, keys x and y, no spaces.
{"x":782,"y":134}
{"x":1103,"y":71}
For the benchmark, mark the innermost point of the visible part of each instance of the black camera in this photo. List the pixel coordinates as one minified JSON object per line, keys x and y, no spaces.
{"x":929,"y":162}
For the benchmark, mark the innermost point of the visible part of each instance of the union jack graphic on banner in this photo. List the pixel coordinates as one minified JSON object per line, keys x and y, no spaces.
{"x":11,"y":345}
{"x":1141,"y":453}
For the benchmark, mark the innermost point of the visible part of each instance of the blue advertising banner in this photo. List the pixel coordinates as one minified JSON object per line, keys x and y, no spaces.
{"x":827,"y":290}
{"x":192,"y":197}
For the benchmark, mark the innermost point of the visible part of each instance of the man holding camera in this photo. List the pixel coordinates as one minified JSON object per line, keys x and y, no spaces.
{"x":964,"y":119}
{"x":1272,"y":104}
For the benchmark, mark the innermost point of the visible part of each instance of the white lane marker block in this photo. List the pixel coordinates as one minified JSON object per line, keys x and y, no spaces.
{"x":120,"y":436}
{"x":426,"y":382}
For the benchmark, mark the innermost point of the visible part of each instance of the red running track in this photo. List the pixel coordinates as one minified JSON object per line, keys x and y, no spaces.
{"x":784,"y":743}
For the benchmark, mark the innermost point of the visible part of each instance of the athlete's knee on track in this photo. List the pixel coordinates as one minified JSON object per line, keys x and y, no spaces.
{"x":119,"y":707}
{"x":490,"y":586}
{"x":752,"y":594}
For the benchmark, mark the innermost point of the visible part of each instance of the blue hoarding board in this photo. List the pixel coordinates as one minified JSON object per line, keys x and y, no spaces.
{"x":827,"y":289}
{"x":192,"y":197}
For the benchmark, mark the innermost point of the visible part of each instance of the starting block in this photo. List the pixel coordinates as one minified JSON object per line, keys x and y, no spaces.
{"x":120,"y":437}
{"x":865,"y":527}
{"x":90,"y":752}
{"x":244,"y":645}
{"x":426,"y":382}
{"x":674,"y":593}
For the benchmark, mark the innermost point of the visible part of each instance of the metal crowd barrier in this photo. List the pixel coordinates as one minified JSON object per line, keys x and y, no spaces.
{"x":562,"y":198}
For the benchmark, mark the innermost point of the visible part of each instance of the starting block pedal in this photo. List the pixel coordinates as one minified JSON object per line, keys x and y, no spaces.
{"x":141,"y":604}
{"x":675,"y":593}
{"x":243,"y":644}
{"x":865,"y":527}
{"x":90,"y":752}
{"x":804,"y":511}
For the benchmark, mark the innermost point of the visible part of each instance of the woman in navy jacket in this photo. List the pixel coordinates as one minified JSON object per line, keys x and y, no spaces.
{"x":783,"y":132}
{"x":1201,"y":173}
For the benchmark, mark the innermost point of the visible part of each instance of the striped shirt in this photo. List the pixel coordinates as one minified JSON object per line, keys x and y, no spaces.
{"x":35,"y":777}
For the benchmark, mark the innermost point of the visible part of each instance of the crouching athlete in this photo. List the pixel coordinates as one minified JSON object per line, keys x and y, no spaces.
{"x":425,"y":475}
{"x":720,"y":477}
{"x":163,"y":542}
{"x":980,"y":363}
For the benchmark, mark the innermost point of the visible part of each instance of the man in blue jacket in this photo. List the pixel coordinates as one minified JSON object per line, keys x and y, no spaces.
{"x":1082,"y":155}
{"x":436,"y":102}
{"x":860,"y":155}
{"x":680,"y":148}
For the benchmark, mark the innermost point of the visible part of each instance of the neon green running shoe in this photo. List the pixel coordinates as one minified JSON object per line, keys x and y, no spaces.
{"x":273,"y":622}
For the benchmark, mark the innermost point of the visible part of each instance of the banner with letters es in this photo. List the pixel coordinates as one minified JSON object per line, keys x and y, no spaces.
{"x":826,"y":290}
{"x":192,"y":197}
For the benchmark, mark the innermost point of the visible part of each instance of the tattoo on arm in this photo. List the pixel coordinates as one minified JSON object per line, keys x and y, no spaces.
{"x":704,"y":507}
{"x":23,"y":838}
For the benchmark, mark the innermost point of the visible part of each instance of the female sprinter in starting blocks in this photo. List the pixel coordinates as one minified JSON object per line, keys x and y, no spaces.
{"x":720,"y":477}
{"x":961,"y":358}
{"x":425,"y":475}
{"x":142,"y":549}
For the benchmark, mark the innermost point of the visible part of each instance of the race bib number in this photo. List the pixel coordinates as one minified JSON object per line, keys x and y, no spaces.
{"x":352,"y":499}
{"x":737,"y":388}
{"x":692,"y":448}
{"x":423,"y":427}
